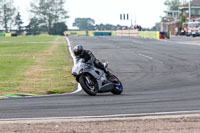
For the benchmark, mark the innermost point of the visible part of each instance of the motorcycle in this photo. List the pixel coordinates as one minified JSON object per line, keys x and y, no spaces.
{"x":94,"y":80}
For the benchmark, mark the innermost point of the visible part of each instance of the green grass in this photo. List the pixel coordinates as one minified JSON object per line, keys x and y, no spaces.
{"x":35,"y":68}
{"x":41,"y":38}
{"x":13,"y":49}
{"x":57,"y":72}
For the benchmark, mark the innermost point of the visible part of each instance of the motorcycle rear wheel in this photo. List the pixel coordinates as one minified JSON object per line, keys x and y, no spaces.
{"x":89,"y":89}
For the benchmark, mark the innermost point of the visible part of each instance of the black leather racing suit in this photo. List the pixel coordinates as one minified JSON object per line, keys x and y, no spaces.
{"x":89,"y":57}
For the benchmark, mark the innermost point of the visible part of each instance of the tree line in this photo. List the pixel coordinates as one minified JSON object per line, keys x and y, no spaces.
{"x":89,"y":24}
{"x":45,"y":16}
{"x":173,"y":5}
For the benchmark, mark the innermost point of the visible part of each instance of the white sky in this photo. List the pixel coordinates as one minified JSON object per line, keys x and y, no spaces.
{"x":146,"y":12}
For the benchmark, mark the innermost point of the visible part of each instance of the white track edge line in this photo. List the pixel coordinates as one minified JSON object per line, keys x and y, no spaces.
{"x":151,"y":58}
{"x":79,"y":88}
{"x":110,"y":116}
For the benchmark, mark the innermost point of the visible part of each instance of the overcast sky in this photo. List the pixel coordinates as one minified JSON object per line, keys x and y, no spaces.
{"x":146,"y":12}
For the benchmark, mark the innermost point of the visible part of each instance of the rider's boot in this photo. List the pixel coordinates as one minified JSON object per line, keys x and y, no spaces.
{"x":108,"y":74}
{"x":110,"y":77}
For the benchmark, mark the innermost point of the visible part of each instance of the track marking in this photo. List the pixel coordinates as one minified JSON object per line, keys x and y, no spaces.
{"x":193,"y":42}
{"x":79,"y":88}
{"x":189,"y":43}
{"x":146,"y":56}
{"x":151,"y":58}
{"x":70,"y":50}
{"x":110,"y":116}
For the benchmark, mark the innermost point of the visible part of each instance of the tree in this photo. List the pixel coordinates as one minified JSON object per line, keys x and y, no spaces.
{"x":84,"y":23}
{"x":59,"y":28}
{"x":183,"y":19}
{"x":172,"y":5}
{"x":105,"y":27}
{"x":33,"y":27}
{"x":49,"y":12}
{"x":100,"y":26}
{"x":7,"y":12}
{"x":153,"y":28}
{"x":18,"y":23}
{"x":119,"y":27}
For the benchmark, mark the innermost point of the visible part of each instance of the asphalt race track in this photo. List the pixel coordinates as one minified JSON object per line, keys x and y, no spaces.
{"x":158,"y":76}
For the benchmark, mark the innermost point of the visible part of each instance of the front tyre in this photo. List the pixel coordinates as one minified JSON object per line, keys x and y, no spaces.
{"x":88,"y":83}
{"x":118,"y":87}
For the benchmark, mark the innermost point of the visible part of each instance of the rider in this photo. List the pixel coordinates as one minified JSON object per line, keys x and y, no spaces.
{"x":79,"y":52}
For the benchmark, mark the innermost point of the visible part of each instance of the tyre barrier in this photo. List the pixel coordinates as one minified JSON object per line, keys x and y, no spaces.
{"x":165,"y":35}
{"x":14,"y":34}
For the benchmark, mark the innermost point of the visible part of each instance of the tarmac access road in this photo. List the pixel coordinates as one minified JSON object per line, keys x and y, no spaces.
{"x":158,"y":76}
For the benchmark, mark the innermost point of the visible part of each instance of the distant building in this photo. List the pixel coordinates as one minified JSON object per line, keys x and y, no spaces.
{"x":173,"y":14}
{"x":172,"y":19}
{"x":195,"y":10}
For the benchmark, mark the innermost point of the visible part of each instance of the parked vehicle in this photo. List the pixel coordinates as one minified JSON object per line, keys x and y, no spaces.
{"x":198,"y":31}
{"x":193,"y":29}
{"x":94,"y":80}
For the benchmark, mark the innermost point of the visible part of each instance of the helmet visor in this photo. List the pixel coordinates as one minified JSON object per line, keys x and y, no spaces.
{"x":77,"y":53}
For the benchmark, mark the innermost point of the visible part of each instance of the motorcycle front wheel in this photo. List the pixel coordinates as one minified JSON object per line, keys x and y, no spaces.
{"x":89,"y":85}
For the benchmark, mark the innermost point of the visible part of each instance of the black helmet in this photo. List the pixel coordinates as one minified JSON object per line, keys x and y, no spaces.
{"x":78,"y":50}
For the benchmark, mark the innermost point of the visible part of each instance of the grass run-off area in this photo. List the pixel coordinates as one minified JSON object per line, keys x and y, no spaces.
{"x":35,"y":65}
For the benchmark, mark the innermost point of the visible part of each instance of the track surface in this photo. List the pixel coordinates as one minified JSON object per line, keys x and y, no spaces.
{"x":158,"y":76}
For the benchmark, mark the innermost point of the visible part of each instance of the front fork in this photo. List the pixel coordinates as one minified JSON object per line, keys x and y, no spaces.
{"x":88,"y":80}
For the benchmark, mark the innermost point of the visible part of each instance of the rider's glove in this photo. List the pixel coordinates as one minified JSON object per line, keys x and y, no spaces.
{"x":89,"y":62}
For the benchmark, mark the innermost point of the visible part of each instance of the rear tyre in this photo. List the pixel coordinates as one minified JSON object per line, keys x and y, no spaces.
{"x":89,"y":89}
{"x":118,"y":87}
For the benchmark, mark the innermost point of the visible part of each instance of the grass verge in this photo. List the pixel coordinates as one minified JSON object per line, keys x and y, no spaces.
{"x":35,"y":68}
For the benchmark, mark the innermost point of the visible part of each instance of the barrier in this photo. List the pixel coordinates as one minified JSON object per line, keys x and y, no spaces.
{"x":155,"y":35}
{"x":102,"y":33}
{"x":75,"y":33}
{"x":14,"y":34}
{"x":90,"y":33}
{"x":2,"y":34}
{"x":127,"y":32}
{"x":8,"y":34}
{"x":150,"y":34}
